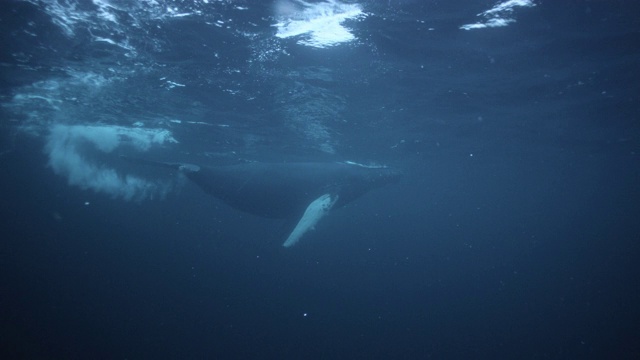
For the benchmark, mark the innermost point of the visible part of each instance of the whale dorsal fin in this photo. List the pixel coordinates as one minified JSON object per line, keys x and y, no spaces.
{"x":314,"y":212}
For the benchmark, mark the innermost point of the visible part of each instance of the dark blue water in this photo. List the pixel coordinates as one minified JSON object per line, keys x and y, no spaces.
{"x":513,"y":234}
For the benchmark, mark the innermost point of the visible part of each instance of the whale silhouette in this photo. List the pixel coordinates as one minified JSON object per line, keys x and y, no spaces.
{"x":298,"y":190}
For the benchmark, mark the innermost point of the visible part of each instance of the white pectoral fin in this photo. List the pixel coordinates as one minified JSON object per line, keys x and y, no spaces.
{"x":315,"y":211}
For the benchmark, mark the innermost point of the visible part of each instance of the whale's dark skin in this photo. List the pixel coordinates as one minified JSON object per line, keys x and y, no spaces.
{"x":284,"y":190}
{"x":300,"y":191}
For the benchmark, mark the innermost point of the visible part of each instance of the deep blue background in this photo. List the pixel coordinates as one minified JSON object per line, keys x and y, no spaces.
{"x":514,"y":233}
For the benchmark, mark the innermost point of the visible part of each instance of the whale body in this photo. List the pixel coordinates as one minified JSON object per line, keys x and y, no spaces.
{"x":306,"y":191}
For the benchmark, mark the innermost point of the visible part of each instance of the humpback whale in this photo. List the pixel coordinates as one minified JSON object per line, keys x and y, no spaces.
{"x":299,"y":190}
